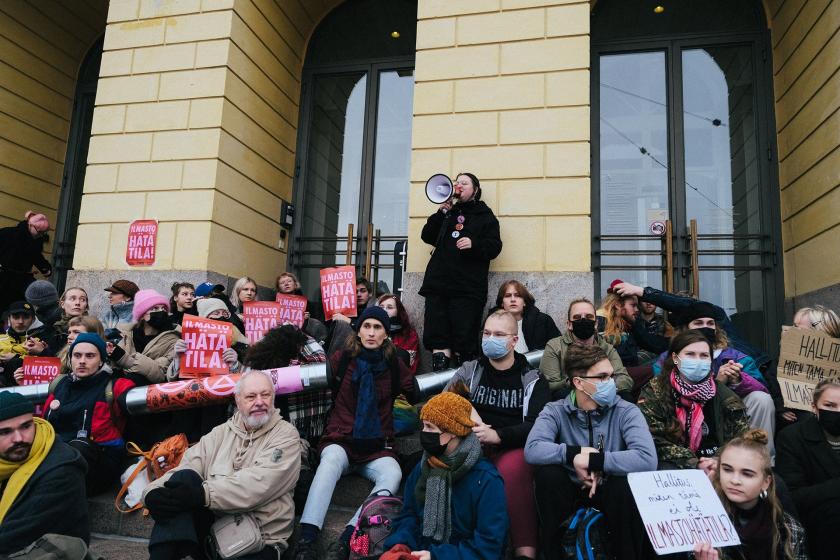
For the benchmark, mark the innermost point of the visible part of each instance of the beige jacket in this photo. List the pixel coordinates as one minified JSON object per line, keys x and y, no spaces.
{"x":248,"y":472}
{"x":153,"y":362}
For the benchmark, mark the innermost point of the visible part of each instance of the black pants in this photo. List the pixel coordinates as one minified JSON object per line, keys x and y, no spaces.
{"x":105,"y":464}
{"x":558,"y":496}
{"x":453,"y":322}
{"x":187,"y":534}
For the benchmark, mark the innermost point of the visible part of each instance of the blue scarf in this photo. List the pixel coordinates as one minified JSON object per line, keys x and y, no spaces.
{"x":367,"y":430}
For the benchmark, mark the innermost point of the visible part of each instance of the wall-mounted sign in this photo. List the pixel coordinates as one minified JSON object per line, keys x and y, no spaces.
{"x":142,"y":243}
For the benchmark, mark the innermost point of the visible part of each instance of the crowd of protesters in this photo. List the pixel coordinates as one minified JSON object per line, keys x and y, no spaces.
{"x":645,"y":381}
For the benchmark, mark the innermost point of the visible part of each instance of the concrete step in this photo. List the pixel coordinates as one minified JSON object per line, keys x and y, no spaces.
{"x":106,"y":520}
{"x":114,"y":547}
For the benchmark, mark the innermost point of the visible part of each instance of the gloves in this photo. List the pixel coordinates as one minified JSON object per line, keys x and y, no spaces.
{"x":397,"y":552}
{"x":187,"y":487}
{"x":231,"y":359}
{"x":180,"y":346}
{"x":161,"y":504}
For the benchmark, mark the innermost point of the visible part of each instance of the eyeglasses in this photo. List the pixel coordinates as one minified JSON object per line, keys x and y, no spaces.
{"x":486,"y":334}
{"x":599,"y":376}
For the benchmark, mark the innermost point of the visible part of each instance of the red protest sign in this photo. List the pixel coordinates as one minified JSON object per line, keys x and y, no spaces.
{"x":142,"y":241}
{"x":338,"y":291}
{"x":260,"y":317}
{"x":37,"y":369}
{"x":206,"y":342}
{"x":292,"y":309}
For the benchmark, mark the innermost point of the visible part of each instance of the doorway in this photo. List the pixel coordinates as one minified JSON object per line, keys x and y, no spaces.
{"x":352,"y":169}
{"x":684,"y":167}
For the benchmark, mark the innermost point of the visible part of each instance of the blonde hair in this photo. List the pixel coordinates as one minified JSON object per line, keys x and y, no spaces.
{"x":756,"y":441}
{"x":286,"y":275}
{"x":91,"y":325}
{"x":822,"y":318}
{"x":70,"y":289}
{"x":822,"y":386}
{"x":612,"y":309}
{"x":237,"y":287}
{"x":505,"y":316}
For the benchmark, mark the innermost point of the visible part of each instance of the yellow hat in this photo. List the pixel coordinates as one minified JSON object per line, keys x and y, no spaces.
{"x":449,"y":412}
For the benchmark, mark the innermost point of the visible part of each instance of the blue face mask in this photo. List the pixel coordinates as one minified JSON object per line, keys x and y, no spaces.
{"x":605,"y":392}
{"x":695,"y":370}
{"x":494,"y":348}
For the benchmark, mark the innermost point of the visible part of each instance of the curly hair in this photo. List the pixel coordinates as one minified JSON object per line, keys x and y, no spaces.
{"x":277,"y":348}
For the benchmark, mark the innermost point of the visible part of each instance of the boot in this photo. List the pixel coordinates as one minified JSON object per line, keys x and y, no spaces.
{"x":440,"y":361}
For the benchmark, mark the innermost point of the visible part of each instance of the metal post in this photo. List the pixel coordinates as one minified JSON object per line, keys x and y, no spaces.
{"x":367,"y":253}
{"x":669,"y":257}
{"x":348,"y":259}
{"x":695,"y":266}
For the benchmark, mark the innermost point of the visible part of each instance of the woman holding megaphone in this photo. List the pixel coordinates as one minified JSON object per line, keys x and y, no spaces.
{"x":465,"y":236}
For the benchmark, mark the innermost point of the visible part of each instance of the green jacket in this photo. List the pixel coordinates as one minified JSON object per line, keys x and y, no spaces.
{"x":730,"y":418}
{"x":551,"y":365}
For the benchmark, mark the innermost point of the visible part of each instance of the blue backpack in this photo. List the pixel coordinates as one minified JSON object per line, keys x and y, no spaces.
{"x":584,"y":536}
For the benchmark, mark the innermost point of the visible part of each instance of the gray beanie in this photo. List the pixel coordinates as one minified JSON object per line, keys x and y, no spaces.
{"x":41,"y":293}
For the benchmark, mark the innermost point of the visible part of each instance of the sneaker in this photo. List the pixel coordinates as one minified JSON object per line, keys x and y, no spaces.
{"x":305,"y":550}
{"x":439,"y":361}
{"x":338,"y":550}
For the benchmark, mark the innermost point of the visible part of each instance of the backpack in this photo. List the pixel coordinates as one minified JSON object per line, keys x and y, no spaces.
{"x":56,"y":547}
{"x":374,"y":525}
{"x":584,"y":536}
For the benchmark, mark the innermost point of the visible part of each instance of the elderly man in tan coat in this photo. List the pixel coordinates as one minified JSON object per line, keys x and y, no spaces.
{"x":244,"y":470}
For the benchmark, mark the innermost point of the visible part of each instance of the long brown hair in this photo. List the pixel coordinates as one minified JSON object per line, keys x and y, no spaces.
{"x":353,"y":347}
{"x":662,"y":382}
{"x":756,"y":441}
{"x":520,"y":289}
{"x":402,"y":314}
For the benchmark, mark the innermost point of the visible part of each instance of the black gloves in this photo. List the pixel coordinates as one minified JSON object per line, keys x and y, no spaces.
{"x":184,"y":491}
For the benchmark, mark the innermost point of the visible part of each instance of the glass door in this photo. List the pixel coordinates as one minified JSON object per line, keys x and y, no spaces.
{"x":681,"y":145}
{"x":354,"y":173}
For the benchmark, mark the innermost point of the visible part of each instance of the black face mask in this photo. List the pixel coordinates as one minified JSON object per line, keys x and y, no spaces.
{"x":160,"y":320}
{"x":396,"y":326}
{"x":829,"y":421}
{"x":430,"y":441}
{"x":583,"y":329}
{"x":710,"y":334}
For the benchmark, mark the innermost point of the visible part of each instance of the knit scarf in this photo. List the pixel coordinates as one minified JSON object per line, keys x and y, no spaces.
{"x":367,"y":430}
{"x":755,"y":529}
{"x":434,"y":487}
{"x":690,"y":400}
{"x":18,"y":474}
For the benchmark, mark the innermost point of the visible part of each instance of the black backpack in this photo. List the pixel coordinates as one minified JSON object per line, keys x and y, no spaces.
{"x":583,"y":536}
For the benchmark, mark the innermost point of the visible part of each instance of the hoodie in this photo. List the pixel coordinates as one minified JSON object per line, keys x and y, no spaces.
{"x":619,"y":430}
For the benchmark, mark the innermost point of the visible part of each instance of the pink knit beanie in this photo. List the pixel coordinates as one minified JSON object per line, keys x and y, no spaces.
{"x":145,"y":300}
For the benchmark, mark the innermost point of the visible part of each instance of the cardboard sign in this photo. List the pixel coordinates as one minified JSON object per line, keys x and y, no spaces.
{"x":679,"y":509}
{"x":37,"y":369}
{"x":142,"y":242}
{"x":338,"y":291}
{"x":293,"y":309}
{"x":206,"y":341}
{"x":805,"y":357}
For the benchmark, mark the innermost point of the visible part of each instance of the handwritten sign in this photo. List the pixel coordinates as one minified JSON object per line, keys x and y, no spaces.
{"x":805,"y":358}
{"x":679,"y":509}
{"x":338,"y":291}
{"x":293,"y":309}
{"x":206,"y":341}
{"x":142,"y":241}
{"x":38,"y":369}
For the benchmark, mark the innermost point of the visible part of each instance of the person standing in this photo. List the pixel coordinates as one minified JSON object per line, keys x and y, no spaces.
{"x":21,"y":248}
{"x":465,"y":236}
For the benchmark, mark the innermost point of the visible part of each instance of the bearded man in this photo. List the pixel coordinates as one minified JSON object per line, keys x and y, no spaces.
{"x":247,"y":466}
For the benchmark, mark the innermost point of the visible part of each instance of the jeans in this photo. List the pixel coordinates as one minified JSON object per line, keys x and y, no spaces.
{"x":384,"y":472}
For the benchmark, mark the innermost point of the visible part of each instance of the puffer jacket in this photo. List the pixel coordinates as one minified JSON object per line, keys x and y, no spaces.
{"x":117,"y":315}
{"x":246,"y":471}
{"x":154,"y":360}
{"x":452,"y":272}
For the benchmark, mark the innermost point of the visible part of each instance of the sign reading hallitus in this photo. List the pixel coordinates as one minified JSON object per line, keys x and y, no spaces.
{"x":142,"y":242}
{"x":806,"y":357}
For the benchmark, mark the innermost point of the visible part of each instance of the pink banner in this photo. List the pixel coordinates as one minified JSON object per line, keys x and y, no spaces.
{"x":286,"y":380}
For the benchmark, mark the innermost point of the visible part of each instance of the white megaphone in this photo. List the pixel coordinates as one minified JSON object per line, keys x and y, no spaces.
{"x":439,"y":188}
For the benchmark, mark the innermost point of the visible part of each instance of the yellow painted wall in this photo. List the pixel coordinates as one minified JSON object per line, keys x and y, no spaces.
{"x":502,"y":90}
{"x":43,"y":44}
{"x":195,"y":126}
{"x":806,"y":60}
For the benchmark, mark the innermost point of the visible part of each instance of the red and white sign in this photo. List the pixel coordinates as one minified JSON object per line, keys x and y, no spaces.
{"x":142,"y":242}
{"x":293,"y":309}
{"x":38,"y":369}
{"x":262,"y":316}
{"x":206,"y":341}
{"x":338,"y":291}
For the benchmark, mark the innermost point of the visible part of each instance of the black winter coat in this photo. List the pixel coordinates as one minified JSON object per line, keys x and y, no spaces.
{"x":52,"y":501}
{"x":808,"y":465}
{"x":19,"y":251}
{"x":538,"y":327}
{"x":451,"y":271}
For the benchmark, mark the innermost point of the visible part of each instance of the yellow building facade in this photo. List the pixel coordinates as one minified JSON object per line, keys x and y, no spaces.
{"x":203,"y":119}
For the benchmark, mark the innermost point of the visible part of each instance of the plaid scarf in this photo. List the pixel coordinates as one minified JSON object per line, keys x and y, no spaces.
{"x":691,"y":398}
{"x":308,"y":410}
